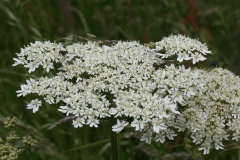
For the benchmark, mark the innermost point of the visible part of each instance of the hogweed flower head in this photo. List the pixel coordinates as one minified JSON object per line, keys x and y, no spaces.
{"x":121,"y":82}
{"x":183,"y":47}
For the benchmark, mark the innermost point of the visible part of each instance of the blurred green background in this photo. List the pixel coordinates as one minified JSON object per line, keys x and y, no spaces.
{"x":215,"y":22}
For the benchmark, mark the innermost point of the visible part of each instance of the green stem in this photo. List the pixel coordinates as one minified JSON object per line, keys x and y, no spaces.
{"x":238,"y":154}
{"x":115,"y":150}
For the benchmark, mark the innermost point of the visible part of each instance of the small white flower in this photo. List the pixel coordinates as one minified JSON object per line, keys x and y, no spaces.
{"x":197,"y":57}
{"x":158,"y":125}
{"x":21,"y":60}
{"x":32,"y":66}
{"x":172,"y":108}
{"x":48,"y":65}
{"x":183,"y":56}
{"x":119,"y":126}
{"x":160,"y":137}
{"x":138,"y":124}
{"x":34,"y":105}
{"x":65,"y":109}
{"x":218,"y":145}
{"x":78,"y":122}
{"x":170,"y":134}
{"x":49,"y":99}
{"x":205,"y":147}
{"x":147,"y":137}
{"x":24,"y":91}
{"x":236,"y":137}
{"x":93,"y":122}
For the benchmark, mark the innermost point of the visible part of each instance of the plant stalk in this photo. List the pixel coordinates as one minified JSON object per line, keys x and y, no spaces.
{"x":115,"y":147}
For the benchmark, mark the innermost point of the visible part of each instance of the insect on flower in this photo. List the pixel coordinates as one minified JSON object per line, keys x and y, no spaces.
{"x":63,"y":53}
{"x":213,"y":64}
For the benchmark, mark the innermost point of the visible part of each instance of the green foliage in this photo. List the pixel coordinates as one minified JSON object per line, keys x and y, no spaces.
{"x":23,"y":21}
{"x":195,"y":154}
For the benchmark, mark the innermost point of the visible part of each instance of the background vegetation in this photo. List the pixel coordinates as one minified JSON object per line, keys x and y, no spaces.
{"x":215,"y":23}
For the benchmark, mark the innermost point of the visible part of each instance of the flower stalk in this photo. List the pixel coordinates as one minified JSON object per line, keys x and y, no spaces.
{"x":115,"y":146}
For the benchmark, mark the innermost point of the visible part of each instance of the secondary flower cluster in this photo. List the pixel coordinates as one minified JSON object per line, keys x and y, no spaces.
{"x":210,"y":115}
{"x":183,"y":47}
{"x":122,"y":81}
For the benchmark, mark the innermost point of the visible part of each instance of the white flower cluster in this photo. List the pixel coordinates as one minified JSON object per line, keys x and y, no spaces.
{"x":122,"y":82}
{"x":211,"y":115}
{"x":183,"y":47}
{"x":39,"y":54}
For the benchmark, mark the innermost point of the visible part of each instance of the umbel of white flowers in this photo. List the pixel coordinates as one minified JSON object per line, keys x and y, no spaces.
{"x":122,"y":81}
